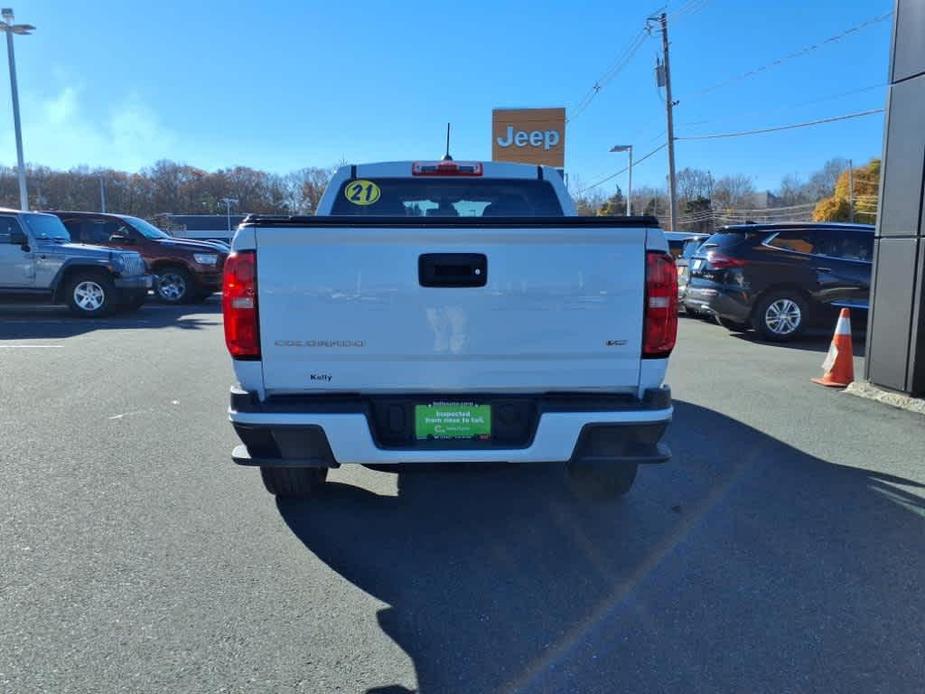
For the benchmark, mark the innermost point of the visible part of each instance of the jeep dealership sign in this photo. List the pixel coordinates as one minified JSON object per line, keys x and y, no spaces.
{"x":528,"y":135}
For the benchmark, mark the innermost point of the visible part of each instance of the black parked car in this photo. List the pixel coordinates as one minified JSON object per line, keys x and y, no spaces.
{"x":777,"y":277}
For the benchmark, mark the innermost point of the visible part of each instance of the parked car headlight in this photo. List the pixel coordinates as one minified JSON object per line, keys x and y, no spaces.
{"x":118,"y":262}
{"x":205,"y":258}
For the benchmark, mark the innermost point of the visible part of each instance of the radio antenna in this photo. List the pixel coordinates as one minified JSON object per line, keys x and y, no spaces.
{"x":447,"y":157}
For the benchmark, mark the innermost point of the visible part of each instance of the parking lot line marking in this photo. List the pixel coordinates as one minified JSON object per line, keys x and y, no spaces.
{"x":127,"y":414}
{"x":31,"y":346}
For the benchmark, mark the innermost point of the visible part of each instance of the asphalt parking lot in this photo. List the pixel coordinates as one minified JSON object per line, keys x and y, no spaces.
{"x":782,"y":549}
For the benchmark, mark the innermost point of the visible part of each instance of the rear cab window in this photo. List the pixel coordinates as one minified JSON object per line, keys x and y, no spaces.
{"x":444,"y":197}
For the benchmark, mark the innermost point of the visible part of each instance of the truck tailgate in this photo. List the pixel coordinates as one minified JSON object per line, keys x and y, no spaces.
{"x":343,"y":309}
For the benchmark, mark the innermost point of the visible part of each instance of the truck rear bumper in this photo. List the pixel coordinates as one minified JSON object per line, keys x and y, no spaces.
{"x":325,"y":432}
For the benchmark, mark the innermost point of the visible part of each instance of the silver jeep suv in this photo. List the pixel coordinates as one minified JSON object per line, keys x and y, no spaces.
{"x":39,"y":263}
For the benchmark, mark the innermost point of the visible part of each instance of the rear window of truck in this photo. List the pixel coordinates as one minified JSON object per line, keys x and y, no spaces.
{"x":432,"y":197}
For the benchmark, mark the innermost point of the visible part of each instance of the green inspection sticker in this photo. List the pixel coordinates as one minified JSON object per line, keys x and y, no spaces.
{"x":452,"y":420}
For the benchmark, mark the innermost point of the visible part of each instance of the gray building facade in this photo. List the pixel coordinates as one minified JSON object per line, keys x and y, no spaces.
{"x":896,"y":328}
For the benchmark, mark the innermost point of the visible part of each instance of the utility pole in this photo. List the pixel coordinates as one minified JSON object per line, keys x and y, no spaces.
{"x":850,"y":190}
{"x":102,"y":195}
{"x":663,"y":76}
{"x":10,"y":29}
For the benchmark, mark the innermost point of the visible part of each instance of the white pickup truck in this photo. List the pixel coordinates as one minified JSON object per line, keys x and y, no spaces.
{"x":449,"y":312}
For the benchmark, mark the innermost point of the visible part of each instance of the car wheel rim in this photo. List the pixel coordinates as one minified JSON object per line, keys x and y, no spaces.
{"x":89,"y":296}
{"x":171,"y":286}
{"x":783,"y":316}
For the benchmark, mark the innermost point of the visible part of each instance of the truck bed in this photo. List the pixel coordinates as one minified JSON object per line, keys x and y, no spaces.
{"x":450,"y":305}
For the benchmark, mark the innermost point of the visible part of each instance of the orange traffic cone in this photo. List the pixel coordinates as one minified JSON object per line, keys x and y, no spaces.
{"x":839,"y":362}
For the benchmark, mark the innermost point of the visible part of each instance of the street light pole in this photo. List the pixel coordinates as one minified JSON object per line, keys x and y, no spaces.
{"x":228,"y":203}
{"x":629,"y":185}
{"x":7,"y":26}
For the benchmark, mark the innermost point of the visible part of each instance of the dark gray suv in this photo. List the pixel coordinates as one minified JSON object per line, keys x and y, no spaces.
{"x":39,"y":263}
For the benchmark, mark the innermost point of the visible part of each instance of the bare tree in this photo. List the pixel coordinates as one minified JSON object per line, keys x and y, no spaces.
{"x":733,"y":191}
{"x":695,"y":184}
{"x":793,"y":191}
{"x":589,"y":203}
{"x":167,"y":186}
{"x":822,"y":183}
{"x":303,"y":189}
{"x":650,"y":200}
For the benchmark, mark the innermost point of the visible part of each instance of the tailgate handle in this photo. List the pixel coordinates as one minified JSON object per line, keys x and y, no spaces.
{"x":452,"y":269}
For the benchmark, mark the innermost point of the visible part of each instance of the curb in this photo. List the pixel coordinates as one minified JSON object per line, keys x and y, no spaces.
{"x":868,"y":391}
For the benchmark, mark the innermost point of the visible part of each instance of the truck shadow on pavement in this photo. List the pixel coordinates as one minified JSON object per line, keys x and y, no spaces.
{"x":20,"y":322}
{"x":744,"y":564}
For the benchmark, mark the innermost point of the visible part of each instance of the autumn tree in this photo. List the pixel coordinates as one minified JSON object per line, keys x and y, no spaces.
{"x":855,"y":195}
{"x":832,"y":209}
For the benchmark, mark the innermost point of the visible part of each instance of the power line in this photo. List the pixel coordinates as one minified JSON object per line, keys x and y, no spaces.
{"x":634,"y":45}
{"x":790,"y":107}
{"x":793,"y":209}
{"x":636,"y":163}
{"x":769,"y":213}
{"x":686,"y":10}
{"x":796,"y":54}
{"x":743,"y":133}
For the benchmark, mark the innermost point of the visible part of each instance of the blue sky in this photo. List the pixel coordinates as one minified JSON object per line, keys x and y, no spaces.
{"x":281,"y":85}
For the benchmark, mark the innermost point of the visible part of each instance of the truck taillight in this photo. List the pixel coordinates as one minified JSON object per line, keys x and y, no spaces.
{"x":660,"y":328}
{"x":446,"y":168}
{"x":239,"y":305}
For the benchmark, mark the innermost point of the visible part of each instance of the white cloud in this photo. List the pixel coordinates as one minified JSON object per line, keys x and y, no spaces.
{"x":58,"y":132}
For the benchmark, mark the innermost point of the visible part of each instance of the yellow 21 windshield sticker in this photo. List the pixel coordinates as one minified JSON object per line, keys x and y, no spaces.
{"x":362,"y":192}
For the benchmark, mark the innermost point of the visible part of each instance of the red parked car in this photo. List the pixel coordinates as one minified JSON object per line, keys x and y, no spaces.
{"x":185,"y":271}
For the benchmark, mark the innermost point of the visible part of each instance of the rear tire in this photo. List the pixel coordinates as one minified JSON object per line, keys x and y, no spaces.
{"x":91,"y":295}
{"x":293,"y":482}
{"x":601,"y":480}
{"x":781,"y":316}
